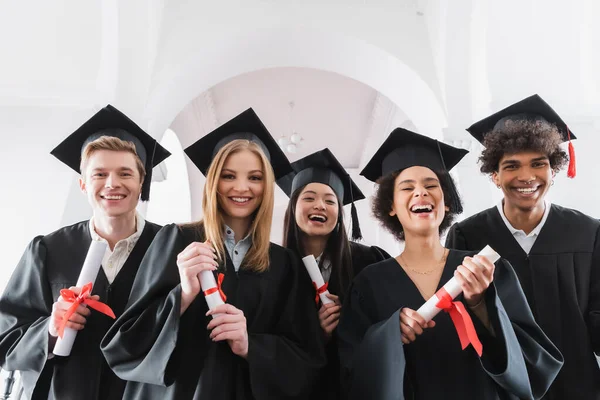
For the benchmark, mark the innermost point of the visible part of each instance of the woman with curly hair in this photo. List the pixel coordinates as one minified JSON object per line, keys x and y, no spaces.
{"x":319,"y":188}
{"x":554,"y":250}
{"x":264,"y":341}
{"x":388,"y":350}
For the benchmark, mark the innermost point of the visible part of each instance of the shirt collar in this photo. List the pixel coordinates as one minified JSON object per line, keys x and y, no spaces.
{"x":326,"y":263}
{"x":230,"y":235}
{"x":140,"y":224}
{"x":536,"y":230}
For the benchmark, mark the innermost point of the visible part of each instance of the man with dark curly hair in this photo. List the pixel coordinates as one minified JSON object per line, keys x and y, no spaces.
{"x":554,"y":250}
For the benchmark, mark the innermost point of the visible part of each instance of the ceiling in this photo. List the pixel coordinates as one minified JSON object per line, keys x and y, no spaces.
{"x":329,"y":110}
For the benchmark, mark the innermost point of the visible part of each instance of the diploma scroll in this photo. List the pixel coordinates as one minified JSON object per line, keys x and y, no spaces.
{"x":315,"y":275}
{"x":212,"y":291}
{"x":89,"y":272}
{"x":452,"y":287}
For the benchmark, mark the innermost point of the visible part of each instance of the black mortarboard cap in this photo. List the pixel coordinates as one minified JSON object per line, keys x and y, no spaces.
{"x":246,"y":126}
{"x":532,"y":108}
{"x":111,"y":122}
{"x":404,"y":149}
{"x":323,"y":167}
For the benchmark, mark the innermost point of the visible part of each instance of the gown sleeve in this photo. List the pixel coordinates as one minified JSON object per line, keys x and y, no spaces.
{"x":285,"y":363}
{"x":593,"y":317}
{"x":371,"y":353}
{"x":455,"y":239}
{"x":149,"y":342}
{"x":25,"y":309}
{"x":520,"y":357}
{"x":140,"y":345}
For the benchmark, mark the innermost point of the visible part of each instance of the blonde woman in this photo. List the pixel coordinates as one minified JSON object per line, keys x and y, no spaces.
{"x":264,"y":341}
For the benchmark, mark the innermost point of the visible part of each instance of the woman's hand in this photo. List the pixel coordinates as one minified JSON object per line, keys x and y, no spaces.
{"x":329,"y":315}
{"x":412,"y":325}
{"x":230,"y":325}
{"x":474,"y":275}
{"x":195,"y":258}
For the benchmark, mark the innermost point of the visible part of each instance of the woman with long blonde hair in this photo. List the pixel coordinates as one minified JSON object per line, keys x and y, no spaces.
{"x":262,"y":342}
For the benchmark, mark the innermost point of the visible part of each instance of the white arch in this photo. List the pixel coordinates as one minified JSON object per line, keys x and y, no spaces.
{"x":227,"y":54}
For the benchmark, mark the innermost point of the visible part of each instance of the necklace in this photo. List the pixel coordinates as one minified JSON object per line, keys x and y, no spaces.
{"x":429,"y":271}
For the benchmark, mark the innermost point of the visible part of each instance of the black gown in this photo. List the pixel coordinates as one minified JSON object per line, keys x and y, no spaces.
{"x":561,"y":279}
{"x":172,"y":356}
{"x":328,"y":386}
{"x":519,"y":362}
{"x":51,"y":263}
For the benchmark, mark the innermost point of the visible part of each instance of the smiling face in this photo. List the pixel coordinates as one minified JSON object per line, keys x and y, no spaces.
{"x":418,"y":201}
{"x":317,"y":210}
{"x":524,"y":179}
{"x":240,"y":187}
{"x":112,"y":183}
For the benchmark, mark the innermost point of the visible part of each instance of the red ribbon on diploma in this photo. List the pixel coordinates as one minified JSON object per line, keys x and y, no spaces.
{"x":70,"y":296}
{"x":461,"y":319}
{"x":212,"y":290}
{"x":320,"y":290}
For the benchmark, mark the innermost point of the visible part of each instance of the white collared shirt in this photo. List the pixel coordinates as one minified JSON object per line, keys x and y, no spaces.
{"x":525,"y":241}
{"x":114,"y":260}
{"x":325,"y":268}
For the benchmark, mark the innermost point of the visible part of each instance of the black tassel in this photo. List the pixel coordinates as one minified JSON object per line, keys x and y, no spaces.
{"x":356,"y":233}
{"x":148,"y":178}
{"x":146,"y":185}
{"x":455,"y":205}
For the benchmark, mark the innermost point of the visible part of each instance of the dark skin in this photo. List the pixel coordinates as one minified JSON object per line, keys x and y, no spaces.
{"x":525,"y":179}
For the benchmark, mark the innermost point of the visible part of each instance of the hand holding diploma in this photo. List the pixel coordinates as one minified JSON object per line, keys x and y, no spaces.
{"x":194,"y":259}
{"x":76,"y":321}
{"x":315,"y":276}
{"x":453,"y":287}
{"x":88,"y":274}
{"x":329,"y":315}
{"x":473,"y":277}
{"x":229,"y":323}
{"x":196,"y":264}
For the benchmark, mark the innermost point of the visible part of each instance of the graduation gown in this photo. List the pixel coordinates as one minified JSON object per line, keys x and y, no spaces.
{"x":172,"y":356}
{"x":328,"y":386}
{"x":51,"y":263}
{"x":561,"y":279}
{"x":518,"y":362}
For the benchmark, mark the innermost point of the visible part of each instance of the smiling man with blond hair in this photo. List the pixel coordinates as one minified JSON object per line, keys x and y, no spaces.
{"x":115,"y":159}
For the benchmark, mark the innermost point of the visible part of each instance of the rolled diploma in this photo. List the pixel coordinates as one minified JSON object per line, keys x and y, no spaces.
{"x":89,"y":272}
{"x":315,"y":275}
{"x":207,"y":281}
{"x":429,"y":309}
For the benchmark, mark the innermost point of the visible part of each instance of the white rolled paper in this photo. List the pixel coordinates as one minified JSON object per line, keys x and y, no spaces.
{"x":315,"y":275}
{"x":430,"y":310}
{"x":207,"y":281}
{"x":89,"y":272}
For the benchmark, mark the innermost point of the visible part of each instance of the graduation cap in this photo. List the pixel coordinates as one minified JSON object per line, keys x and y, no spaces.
{"x":532,"y":108}
{"x":404,"y":149}
{"x":111,"y":122}
{"x":323,"y":167}
{"x":246,"y":126}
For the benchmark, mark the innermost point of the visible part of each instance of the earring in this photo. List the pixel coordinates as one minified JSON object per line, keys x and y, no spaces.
{"x":552,"y":184}
{"x":498,"y":186}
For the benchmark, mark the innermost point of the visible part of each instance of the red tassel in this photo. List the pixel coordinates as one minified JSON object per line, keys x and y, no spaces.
{"x":572,"y":171}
